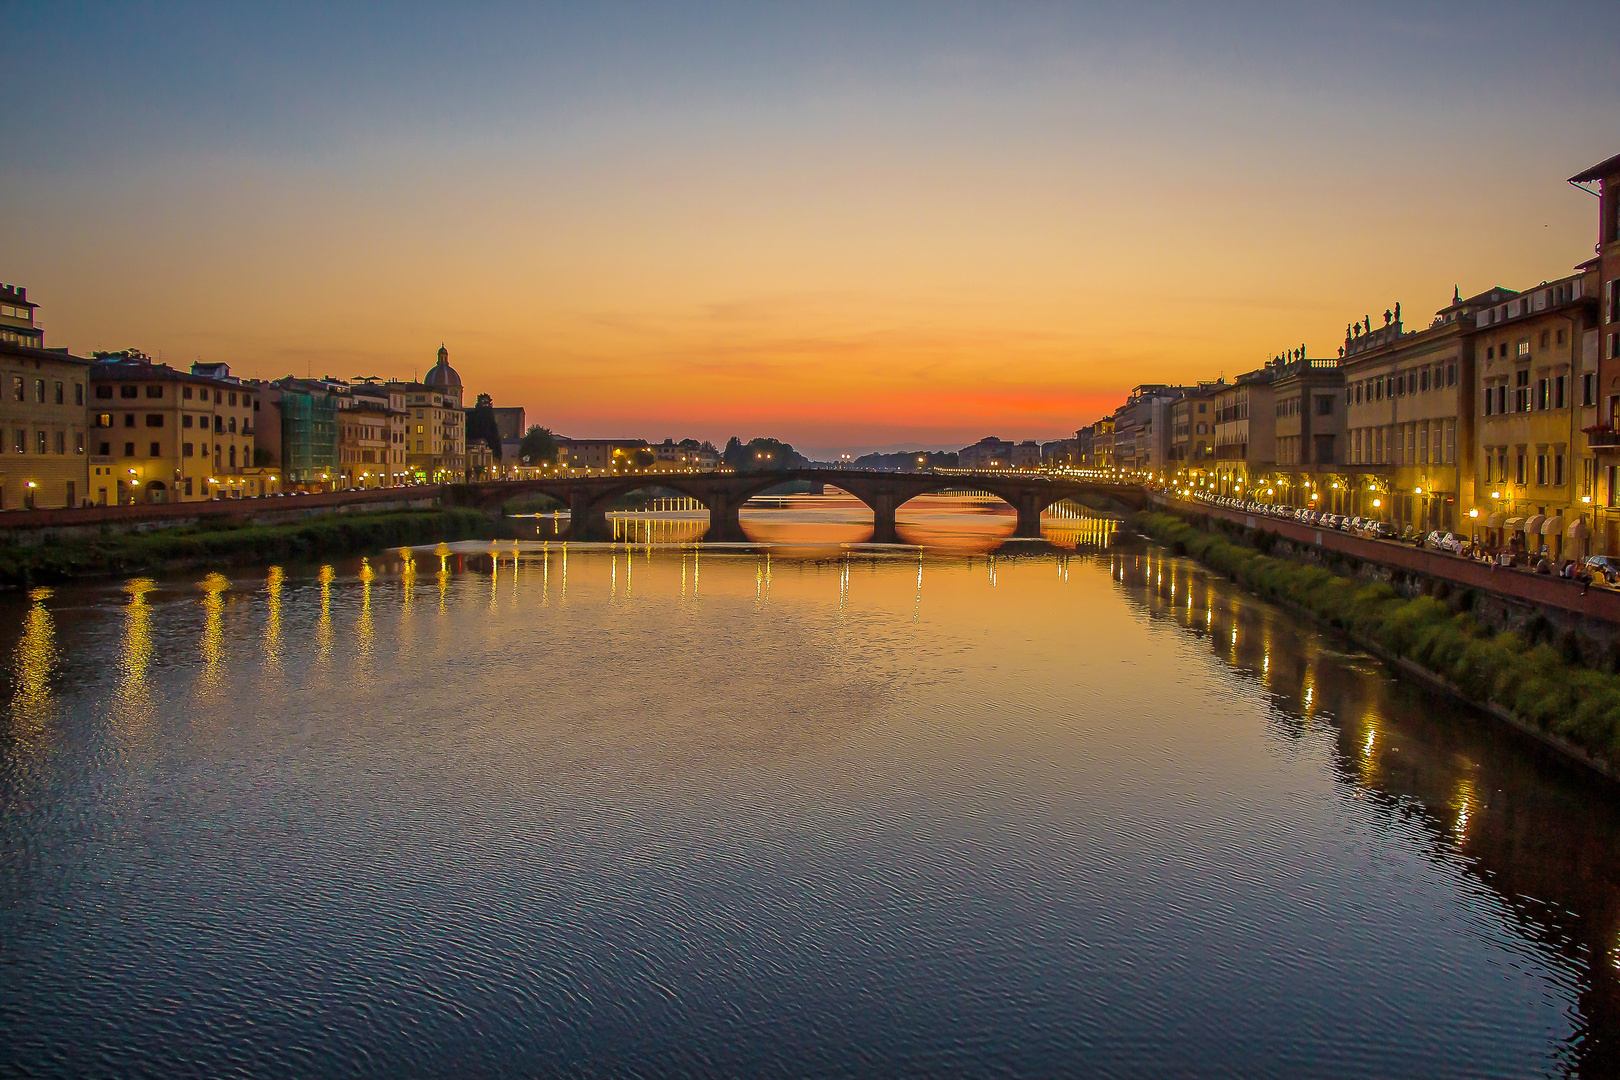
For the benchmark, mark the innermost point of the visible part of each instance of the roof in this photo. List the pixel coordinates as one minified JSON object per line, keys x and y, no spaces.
{"x":1599,"y":171}
{"x":28,"y":352}
{"x":142,"y":371}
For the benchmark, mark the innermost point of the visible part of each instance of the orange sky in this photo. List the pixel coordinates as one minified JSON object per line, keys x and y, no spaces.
{"x":990,"y":237}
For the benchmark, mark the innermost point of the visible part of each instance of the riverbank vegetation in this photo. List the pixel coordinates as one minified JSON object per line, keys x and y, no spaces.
{"x":223,"y":544}
{"x":1541,"y":683}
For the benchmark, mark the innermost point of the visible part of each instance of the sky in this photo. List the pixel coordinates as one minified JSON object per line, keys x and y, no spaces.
{"x":844,"y":226}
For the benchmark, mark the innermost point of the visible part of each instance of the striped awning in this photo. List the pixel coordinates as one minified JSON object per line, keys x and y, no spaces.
{"x":1495,"y":520}
{"x":1515,"y":524}
{"x":1532,"y":524}
{"x":1553,"y":526}
{"x":1578,"y":529}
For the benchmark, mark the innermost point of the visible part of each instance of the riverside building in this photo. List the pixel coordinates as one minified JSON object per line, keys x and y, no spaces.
{"x":1245,"y":433}
{"x":436,"y":431}
{"x":160,"y":435}
{"x":42,"y":423}
{"x":1533,"y":387}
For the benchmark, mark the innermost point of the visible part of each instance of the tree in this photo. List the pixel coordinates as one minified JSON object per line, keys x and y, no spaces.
{"x":644,"y":459}
{"x":481,"y":425}
{"x":538,"y":445}
{"x":736,"y":455}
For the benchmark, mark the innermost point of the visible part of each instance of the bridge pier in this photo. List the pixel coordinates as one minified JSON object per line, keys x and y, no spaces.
{"x":587,"y":517}
{"x":1029,"y":509}
{"x":883,"y":507}
{"x":725,"y":527}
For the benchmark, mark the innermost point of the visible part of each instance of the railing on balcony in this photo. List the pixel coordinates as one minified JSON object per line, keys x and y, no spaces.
{"x":1604,"y":438}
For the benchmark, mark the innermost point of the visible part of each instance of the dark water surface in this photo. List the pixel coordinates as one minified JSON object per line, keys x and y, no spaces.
{"x":802,"y":810}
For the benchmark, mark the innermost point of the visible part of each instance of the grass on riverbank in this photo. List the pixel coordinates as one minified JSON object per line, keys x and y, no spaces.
{"x":1538,"y":684}
{"x":334,"y":534}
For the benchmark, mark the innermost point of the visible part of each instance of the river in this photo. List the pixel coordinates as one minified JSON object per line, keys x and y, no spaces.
{"x":806,"y":807}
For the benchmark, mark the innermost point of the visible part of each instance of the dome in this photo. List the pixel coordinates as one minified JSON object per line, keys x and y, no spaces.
{"x":443,"y":376}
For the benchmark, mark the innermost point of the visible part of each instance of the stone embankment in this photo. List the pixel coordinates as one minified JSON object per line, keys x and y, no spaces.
{"x":1536,"y":678}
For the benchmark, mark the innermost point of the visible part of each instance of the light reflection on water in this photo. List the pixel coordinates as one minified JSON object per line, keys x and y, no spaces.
{"x":635,"y":808}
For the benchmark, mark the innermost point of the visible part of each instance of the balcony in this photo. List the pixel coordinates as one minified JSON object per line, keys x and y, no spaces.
{"x":1602,"y":438}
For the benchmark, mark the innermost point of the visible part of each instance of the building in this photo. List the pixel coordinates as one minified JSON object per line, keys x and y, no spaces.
{"x":602,"y":454}
{"x":160,"y":435}
{"x":1532,"y":382}
{"x":1409,"y":397}
{"x":378,"y":453}
{"x":307,"y":411}
{"x":988,"y":453}
{"x":1097,"y":445}
{"x":42,"y":422}
{"x":1601,"y":349}
{"x":510,"y":421}
{"x":688,"y":454}
{"x":1142,"y":427}
{"x":1026,"y":455}
{"x":17,"y":326}
{"x":1192,"y":433}
{"x":1309,"y":406}
{"x":1245,"y":433}
{"x":436,"y":429}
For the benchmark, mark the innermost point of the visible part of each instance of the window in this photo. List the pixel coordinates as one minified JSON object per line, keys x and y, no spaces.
{"x":1544,"y":339}
{"x":1423,"y":443}
{"x":157,"y":450}
{"x":42,"y":442}
{"x":187,"y":449}
{"x":17,"y":390}
{"x":1490,"y":352}
{"x":103,"y":420}
{"x":1518,"y":470}
{"x":1424,"y":381}
{"x":1521,"y":392}
{"x":1451,"y":442}
{"x":129,"y":449}
{"x":1543,"y":396}
{"x":219,"y":396}
{"x":129,"y":391}
{"x":185,"y":393}
{"x":186,"y":420}
{"x":154,"y":391}
{"x":1558,"y":391}
{"x":106,"y":449}
{"x":1524,"y":347}
{"x":129,"y":419}
{"x":233,"y":457}
{"x":1558,"y":469}
{"x":103,"y":391}
{"x":78,"y":438}
{"x":419,"y":445}
{"x":1589,"y":389}
{"x":188,"y":485}
{"x":1541,"y":470}
{"x":59,"y":394}
{"x":232,"y":401}
{"x":1451,"y":374}
{"x":1490,"y":400}
{"x":154,"y":419}
{"x":1324,"y":405}
{"x":232,"y":426}
{"x":61,"y":442}
{"x":219,"y":425}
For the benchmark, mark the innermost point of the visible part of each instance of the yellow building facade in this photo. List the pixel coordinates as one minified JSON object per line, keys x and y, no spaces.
{"x":42,"y":417}
{"x":159,"y":435}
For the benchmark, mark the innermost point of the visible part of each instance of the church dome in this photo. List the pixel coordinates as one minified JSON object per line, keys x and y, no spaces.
{"x":443,"y":376}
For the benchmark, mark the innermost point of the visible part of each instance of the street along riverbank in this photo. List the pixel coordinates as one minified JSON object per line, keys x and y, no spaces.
{"x":1539,"y":686}
{"x":235,"y":543}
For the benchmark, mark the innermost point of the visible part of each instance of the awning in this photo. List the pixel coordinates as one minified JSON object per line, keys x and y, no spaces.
{"x":1495,"y":520}
{"x":1532,"y":524}
{"x":1553,"y":526}
{"x":1514,"y":524}
{"x":1578,"y":529}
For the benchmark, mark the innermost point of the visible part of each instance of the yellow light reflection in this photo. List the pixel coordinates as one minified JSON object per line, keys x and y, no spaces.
{"x":273,"y":585}
{"x":363,"y":630}
{"x":33,"y":665}
{"x":323,"y":625}
{"x":136,"y":656}
{"x":213,"y":640}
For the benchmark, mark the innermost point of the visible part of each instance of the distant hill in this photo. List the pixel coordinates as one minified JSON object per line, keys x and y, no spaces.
{"x":906,"y":461}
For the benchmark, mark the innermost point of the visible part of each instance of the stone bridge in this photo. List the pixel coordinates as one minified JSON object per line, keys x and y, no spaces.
{"x":723,"y":494}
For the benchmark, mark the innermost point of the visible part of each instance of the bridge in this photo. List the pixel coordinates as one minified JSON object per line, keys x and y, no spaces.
{"x":589,"y":498}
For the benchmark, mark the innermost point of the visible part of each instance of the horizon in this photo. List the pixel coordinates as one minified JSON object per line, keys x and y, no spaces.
{"x":845,"y":230}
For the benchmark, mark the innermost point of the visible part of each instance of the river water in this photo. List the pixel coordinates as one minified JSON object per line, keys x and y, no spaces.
{"x":805,"y":808}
